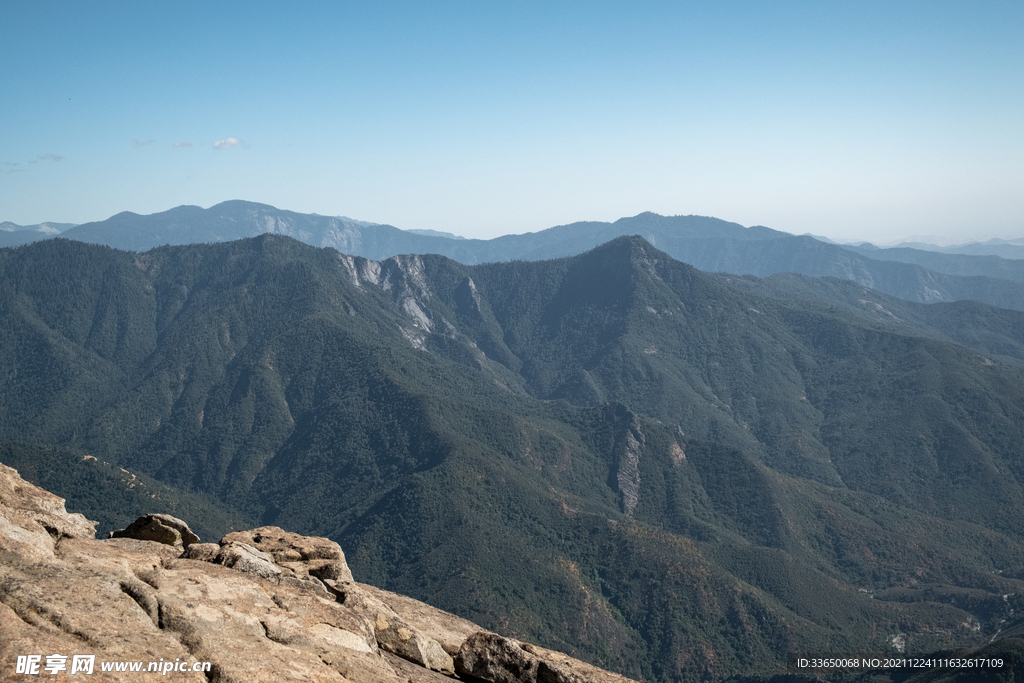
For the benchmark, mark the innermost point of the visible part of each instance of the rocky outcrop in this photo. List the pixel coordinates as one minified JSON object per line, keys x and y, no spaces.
{"x":321,"y":558}
{"x":262,"y":605}
{"x":628,"y":449}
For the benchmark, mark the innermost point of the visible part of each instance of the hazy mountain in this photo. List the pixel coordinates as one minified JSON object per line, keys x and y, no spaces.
{"x":1007,"y":249}
{"x":43,"y":228}
{"x":237,"y":220}
{"x":946,"y":262}
{"x":436,"y":233}
{"x":706,"y":243}
{"x":656,"y":469}
{"x":12,"y":234}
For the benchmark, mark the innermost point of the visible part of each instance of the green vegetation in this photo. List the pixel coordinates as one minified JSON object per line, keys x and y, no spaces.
{"x":675,"y":475}
{"x":114,"y":497}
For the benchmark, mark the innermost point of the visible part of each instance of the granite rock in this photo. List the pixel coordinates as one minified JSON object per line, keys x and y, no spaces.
{"x":253,"y":607}
{"x":159,"y":528}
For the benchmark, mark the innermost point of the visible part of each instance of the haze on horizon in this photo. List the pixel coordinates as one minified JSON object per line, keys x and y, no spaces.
{"x":872,"y":121}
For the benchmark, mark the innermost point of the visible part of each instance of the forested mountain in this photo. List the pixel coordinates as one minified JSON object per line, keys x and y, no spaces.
{"x":672,"y":474}
{"x":706,"y":243}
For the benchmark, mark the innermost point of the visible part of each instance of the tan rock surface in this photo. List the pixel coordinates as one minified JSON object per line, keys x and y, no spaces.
{"x":267,"y":618}
{"x":401,"y":639}
{"x":305,"y":555}
{"x":447,"y":629}
{"x":34,"y":518}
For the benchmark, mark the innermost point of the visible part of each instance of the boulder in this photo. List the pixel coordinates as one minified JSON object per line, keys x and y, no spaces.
{"x":159,"y":528}
{"x":206,"y":552}
{"x":286,"y":546}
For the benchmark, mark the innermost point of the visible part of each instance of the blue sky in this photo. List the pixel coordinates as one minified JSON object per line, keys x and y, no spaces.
{"x":869,"y":119}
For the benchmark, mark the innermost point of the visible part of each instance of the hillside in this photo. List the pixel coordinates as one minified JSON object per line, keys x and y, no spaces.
{"x":615,"y":454}
{"x":991,"y":331}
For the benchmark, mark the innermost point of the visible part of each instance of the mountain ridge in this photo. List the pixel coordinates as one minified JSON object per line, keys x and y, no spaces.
{"x":710,"y":244}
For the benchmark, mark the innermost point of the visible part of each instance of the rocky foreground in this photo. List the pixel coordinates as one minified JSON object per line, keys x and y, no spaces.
{"x":260,"y":605}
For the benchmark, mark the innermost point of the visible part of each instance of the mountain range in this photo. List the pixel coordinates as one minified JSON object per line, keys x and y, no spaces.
{"x":707,"y":243}
{"x":672,"y":474}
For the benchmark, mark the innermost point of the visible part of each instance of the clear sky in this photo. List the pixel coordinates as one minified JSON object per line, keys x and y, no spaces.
{"x":856,"y":119}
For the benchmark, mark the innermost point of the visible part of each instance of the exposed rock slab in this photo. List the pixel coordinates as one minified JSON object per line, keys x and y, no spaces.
{"x":401,"y":639}
{"x":393,"y":633}
{"x":447,"y":629}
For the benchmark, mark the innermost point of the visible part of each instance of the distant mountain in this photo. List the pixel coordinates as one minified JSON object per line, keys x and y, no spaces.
{"x":12,"y":234}
{"x":706,"y":243}
{"x":1007,"y":249}
{"x":235,"y":220}
{"x":947,"y":262}
{"x":436,"y":233}
{"x":43,"y":228}
{"x":656,"y":469}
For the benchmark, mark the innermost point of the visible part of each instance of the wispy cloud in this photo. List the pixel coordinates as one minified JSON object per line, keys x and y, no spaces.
{"x":141,"y":143}
{"x":226,"y":142}
{"x":182,"y":144}
{"x":49,"y":157}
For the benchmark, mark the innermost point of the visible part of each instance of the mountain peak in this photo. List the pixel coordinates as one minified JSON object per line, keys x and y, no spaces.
{"x":241,"y":205}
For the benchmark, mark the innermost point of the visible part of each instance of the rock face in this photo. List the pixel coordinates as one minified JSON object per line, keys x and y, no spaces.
{"x":262,"y":605}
